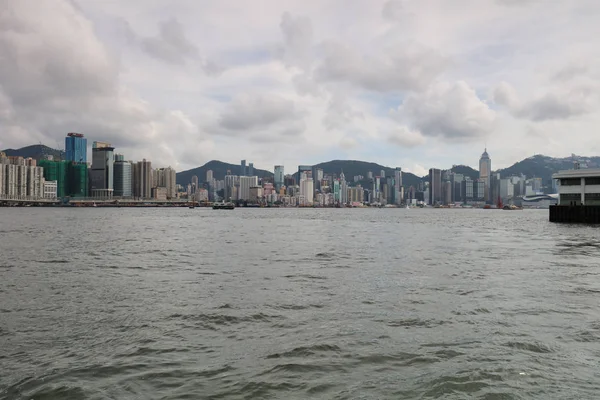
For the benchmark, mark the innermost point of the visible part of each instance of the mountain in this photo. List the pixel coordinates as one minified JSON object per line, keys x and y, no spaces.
{"x":219,"y":170}
{"x":36,"y":151}
{"x":466,"y":171}
{"x":352,"y":168}
{"x":540,"y":166}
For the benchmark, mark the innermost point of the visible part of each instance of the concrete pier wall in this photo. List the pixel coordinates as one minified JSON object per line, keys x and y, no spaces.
{"x":575,"y":214}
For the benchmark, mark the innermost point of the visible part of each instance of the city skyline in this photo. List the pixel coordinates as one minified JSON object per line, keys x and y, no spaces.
{"x":300,"y":82}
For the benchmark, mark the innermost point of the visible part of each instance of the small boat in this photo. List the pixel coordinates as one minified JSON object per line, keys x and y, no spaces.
{"x":223,"y":206}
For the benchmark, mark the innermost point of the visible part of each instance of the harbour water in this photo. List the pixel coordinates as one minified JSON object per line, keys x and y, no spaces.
{"x":297,"y":303}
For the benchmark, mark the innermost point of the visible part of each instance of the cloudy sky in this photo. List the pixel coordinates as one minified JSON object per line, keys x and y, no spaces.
{"x":410,"y":83}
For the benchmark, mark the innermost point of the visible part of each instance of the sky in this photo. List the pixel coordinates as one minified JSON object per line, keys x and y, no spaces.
{"x":409,"y":83}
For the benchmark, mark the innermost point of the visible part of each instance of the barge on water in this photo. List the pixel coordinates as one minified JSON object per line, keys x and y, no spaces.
{"x":578,"y":196}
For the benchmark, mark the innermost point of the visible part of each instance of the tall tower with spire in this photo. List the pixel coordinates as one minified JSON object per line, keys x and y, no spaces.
{"x":485,"y":172}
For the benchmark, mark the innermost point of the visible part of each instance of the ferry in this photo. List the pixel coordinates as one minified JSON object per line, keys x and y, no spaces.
{"x":223,"y":206}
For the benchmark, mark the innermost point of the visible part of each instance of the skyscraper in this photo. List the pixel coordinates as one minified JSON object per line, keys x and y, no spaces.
{"x":209,"y":175}
{"x":122,"y":180}
{"x":246,"y":182}
{"x":435,"y":186}
{"x":76,"y":148}
{"x":278,"y":176}
{"x":143,"y":179}
{"x":251,"y":169}
{"x":398,"y":193}
{"x":243,"y":171}
{"x":102,"y":171}
{"x":485,"y":171}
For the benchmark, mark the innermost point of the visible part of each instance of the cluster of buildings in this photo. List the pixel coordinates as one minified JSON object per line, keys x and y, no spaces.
{"x":450,"y":188}
{"x":309,"y":187}
{"x":108,"y":175}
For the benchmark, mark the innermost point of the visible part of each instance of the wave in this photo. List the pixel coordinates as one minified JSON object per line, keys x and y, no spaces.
{"x":306,"y":351}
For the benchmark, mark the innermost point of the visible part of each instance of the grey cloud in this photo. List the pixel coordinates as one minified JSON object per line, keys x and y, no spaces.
{"x":339,"y":112}
{"x":450,"y":111}
{"x":558,"y":103}
{"x":171,"y":44}
{"x":405,"y":66}
{"x":404,"y":137}
{"x":550,"y":107}
{"x":570,"y":72}
{"x":57,"y":77}
{"x":298,"y":40}
{"x":393,"y":10}
{"x":262,"y":117}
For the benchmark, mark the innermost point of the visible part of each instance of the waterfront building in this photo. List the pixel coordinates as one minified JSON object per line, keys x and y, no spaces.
{"x":485,"y":171}
{"x":447,"y":192}
{"x":76,"y":148}
{"x":278,"y":176}
{"x":467,"y":190}
{"x":142,"y":181}
{"x":102,"y":171}
{"x":506,"y":190}
{"x":578,"y":187}
{"x":255,"y":194}
{"x":336,"y":191}
{"x":165,"y":177}
{"x":456,"y":180}
{"x":307,"y":191}
{"x":159,"y":193}
{"x":58,"y":171}
{"x":50,"y":189}
{"x":356,"y":194}
{"x":201,"y":195}
{"x":435,"y":186}
{"x":398,"y":195}
{"x":539,"y":201}
{"x":479,"y":186}
{"x":246,"y":182}
{"x":122,"y":179}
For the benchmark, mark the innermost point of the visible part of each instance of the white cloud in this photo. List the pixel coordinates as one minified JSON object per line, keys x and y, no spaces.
{"x":452,"y":111}
{"x":405,"y":137}
{"x":184,"y":82}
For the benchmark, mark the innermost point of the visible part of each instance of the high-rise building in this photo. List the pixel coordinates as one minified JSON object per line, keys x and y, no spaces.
{"x":194,"y":183}
{"x":243,"y":171}
{"x":435,"y":186}
{"x":278,"y":176}
{"x":246,"y":182}
{"x":398,"y":195}
{"x":485,"y":171}
{"x":447,"y":192}
{"x":251,"y":169}
{"x":76,"y":148}
{"x":102,"y":171}
{"x":209,"y":175}
{"x":122,"y":179}
{"x":307,"y":169}
{"x":307,"y":191}
{"x":143,"y":179}
{"x":382,"y":173}
{"x":20,"y":178}
{"x":369,"y":175}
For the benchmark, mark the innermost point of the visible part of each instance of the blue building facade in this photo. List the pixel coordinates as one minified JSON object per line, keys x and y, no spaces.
{"x":76,"y":148}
